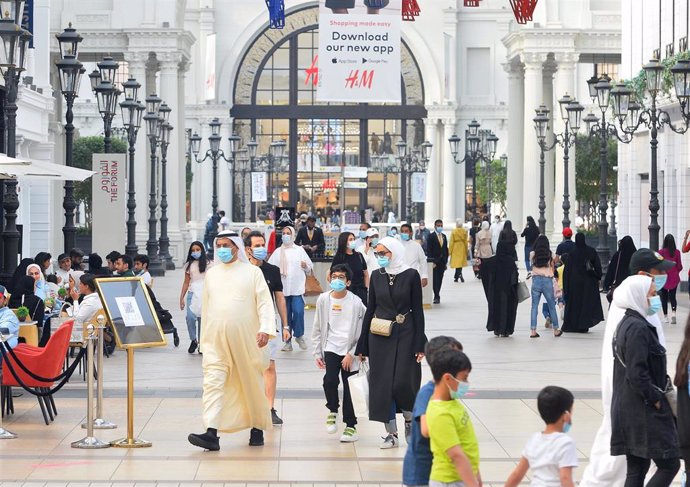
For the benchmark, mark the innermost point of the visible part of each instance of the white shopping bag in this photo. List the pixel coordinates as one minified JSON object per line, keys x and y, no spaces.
{"x":359,"y":391}
{"x":196,"y":288}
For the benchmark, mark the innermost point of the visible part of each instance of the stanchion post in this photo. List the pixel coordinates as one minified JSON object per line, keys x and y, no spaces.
{"x":5,"y":434}
{"x":99,"y":423}
{"x":89,"y":442}
{"x":130,"y":441}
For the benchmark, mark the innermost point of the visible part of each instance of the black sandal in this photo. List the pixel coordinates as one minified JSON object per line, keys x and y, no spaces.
{"x":557,"y":333}
{"x":535,"y":335}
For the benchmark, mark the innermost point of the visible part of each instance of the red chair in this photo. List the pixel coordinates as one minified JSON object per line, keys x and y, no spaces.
{"x":43,"y":362}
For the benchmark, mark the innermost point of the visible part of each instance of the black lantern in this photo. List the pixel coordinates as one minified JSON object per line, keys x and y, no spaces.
{"x":474,"y":127}
{"x":401,"y":148}
{"x":563,"y":105}
{"x":473,"y":142}
{"x":279,"y":149}
{"x":681,"y":81}
{"x":108,"y":69}
{"x":590,"y":120}
{"x":195,"y":141}
{"x":131,"y":89}
{"x":492,"y":142}
{"x":454,"y":142}
{"x":574,"y":110}
{"x":426,"y":150}
{"x":541,"y":125}
{"x":215,"y":126}
{"x":603,"y":88}
{"x":633,"y":112}
{"x":12,"y":9}
{"x":69,"y":42}
{"x":621,"y":100}
{"x":164,"y":112}
{"x":653,"y":71}
{"x":251,"y":147}
{"x":234,"y":140}
{"x":591,"y":85}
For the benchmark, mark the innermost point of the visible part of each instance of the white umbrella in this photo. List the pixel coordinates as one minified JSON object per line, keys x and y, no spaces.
{"x":11,"y":168}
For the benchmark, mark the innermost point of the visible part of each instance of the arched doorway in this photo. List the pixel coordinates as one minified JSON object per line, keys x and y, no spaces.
{"x":327,"y":145}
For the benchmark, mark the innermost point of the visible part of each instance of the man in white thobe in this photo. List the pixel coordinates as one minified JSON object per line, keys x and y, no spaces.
{"x":238,"y":317}
{"x":604,"y":470}
{"x":414,"y":253}
{"x":496,"y":228}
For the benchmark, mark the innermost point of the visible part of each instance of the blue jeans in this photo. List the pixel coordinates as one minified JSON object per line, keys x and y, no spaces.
{"x":528,"y":264}
{"x":543,"y":286}
{"x":192,"y":319}
{"x":295,"y":315}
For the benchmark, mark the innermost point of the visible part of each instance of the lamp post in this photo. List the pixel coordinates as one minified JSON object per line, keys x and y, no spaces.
{"x":571,"y":114}
{"x":631,"y":116}
{"x":386,"y":166}
{"x":132,"y":113}
{"x":411,"y":161}
{"x":153,"y":103}
{"x":214,"y":153}
{"x":269,"y":163}
{"x":164,"y":240}
{"x":12,"y":63}
{"x":71,"y":71}
{"x":103,"y":85}
{"x":479,"y":146}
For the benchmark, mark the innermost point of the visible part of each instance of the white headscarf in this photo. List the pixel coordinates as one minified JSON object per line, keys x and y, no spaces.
{"x":40,"y":271}
{"x":237,"y":240}
{"x":485,"y":225}
{"x":283,"y":264}
{"x":632,"y":294}
{"x":397,"y":264}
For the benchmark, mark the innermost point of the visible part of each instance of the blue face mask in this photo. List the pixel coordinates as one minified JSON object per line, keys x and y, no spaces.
{"x":374,"y":242}
{"x":338,"y":285}
{"x":287,"y":239}
{"x":660,"y":281}
{"x":654,"y":305}
{"x":224,"y":254}
{"x":460,"y":392}
{"x":362,"y":234}
{"x":259,"y":253}
{"x":352,"y":245}
{"x":196,"y":255}
{"x":567,"y":427}
{"x":405,"y":237}
{"x":383,"y":261}
{"x":393,"y":233}
{"x":439,"y":229}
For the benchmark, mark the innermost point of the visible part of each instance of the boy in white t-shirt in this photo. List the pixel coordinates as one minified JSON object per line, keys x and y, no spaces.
{"x":551,"y":454}
{"x":336,"y":330}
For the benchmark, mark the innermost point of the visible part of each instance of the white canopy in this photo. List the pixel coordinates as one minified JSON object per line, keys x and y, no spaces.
{"x":11,"y":168}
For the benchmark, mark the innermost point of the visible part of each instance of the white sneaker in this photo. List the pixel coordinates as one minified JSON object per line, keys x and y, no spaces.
{"x":390,"y":441}
{"x":287,"y":347}
{"x":666,"y":320}
{"x":349,"y":435}
{"x":302,"y":344}
{"x":331,"y":425}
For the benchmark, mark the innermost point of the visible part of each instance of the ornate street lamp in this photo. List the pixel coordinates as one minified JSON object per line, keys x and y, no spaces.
{"x":164,"y":240}
{"x":103,"y":85}
{"x":71,"y":71}
{"x":541,"y":126}
{"x":152,"y":120}
{"x":132,"y":112}
{"x":410,"y":162}
{"x":480,"y":146}
{"x":12,"y":63}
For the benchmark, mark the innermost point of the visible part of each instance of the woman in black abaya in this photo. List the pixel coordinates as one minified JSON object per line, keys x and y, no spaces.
{"x":500,"y":278}
{"x":581,"y":288}
{"x":619,"y":266}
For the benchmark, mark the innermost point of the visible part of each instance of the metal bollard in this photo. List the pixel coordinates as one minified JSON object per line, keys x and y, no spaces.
{"x":89,"y":442}
{"x":5,"y":434}
{"x":99,"y":423}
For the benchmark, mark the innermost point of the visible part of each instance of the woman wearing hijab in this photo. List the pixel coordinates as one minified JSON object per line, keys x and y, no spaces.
{"x":24,"y":295}
{"x":40,"y":285}
{"x":509,"y":236}
{"x":395,"y":296}
{"x":18,"y":273}
{"x":619,"y":267}
{"x":531,"y":232}
{"x":347,"y":254}
{"x":581,"y":288}
{"x":482,"y":247}
{"x":294,"y":265}
{"x":499,"y":279}
{"x":643,"y":427}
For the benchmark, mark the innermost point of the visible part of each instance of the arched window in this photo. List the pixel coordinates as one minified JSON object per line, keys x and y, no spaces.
{"x":337,"y":156}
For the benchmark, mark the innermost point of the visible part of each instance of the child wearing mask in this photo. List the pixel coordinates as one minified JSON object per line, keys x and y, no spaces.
{"x":550,"y":454}
{"x":335,"y":333}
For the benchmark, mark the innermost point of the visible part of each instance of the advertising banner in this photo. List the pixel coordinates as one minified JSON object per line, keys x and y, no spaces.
{"x":418,"y":187}
{"x":108,"y":204}
{"x":259,"y":184}
{"x":359,"y":51}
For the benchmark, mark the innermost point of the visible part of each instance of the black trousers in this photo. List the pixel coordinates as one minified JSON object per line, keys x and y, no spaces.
{"x":331,"y":381}
{"x":458,"y":273}
{"x":438,"y":280}
{"x":667,"y":295}
{"x":638,"y":467}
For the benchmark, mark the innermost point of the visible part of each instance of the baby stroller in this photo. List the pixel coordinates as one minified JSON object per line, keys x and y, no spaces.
{"x":165,"y":318}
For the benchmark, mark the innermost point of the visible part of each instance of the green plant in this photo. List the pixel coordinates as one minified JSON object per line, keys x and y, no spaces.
{"x":588,"y":173}
{"x":22,"y":312}
{"x":498,"y":183}
{"x":62,"y":292}
{"x":639,"y":83}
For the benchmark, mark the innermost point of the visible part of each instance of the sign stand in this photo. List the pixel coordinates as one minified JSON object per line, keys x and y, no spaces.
{"x":130,"y":441}
{"x":89,"y":442}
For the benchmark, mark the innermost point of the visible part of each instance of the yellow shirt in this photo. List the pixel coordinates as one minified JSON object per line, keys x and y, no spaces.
{"x":450,"y":425}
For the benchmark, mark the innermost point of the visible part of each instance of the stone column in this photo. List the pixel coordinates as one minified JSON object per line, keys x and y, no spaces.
{"x":516,"y":115}
{"x":433,"y":173}
{"x":137,"y":69}
{"x":564,"y":84}
{"x":449,"y":191}
{"x":548,"y":72}
{"x":169,"y":93}
{"x":533,"y":62}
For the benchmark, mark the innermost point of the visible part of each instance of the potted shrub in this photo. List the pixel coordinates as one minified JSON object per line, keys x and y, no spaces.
{"x":22,"y":313}
{"x":62,"y":292}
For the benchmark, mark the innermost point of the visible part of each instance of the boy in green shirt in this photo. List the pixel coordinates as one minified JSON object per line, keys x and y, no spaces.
{"x":453,"y":442}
